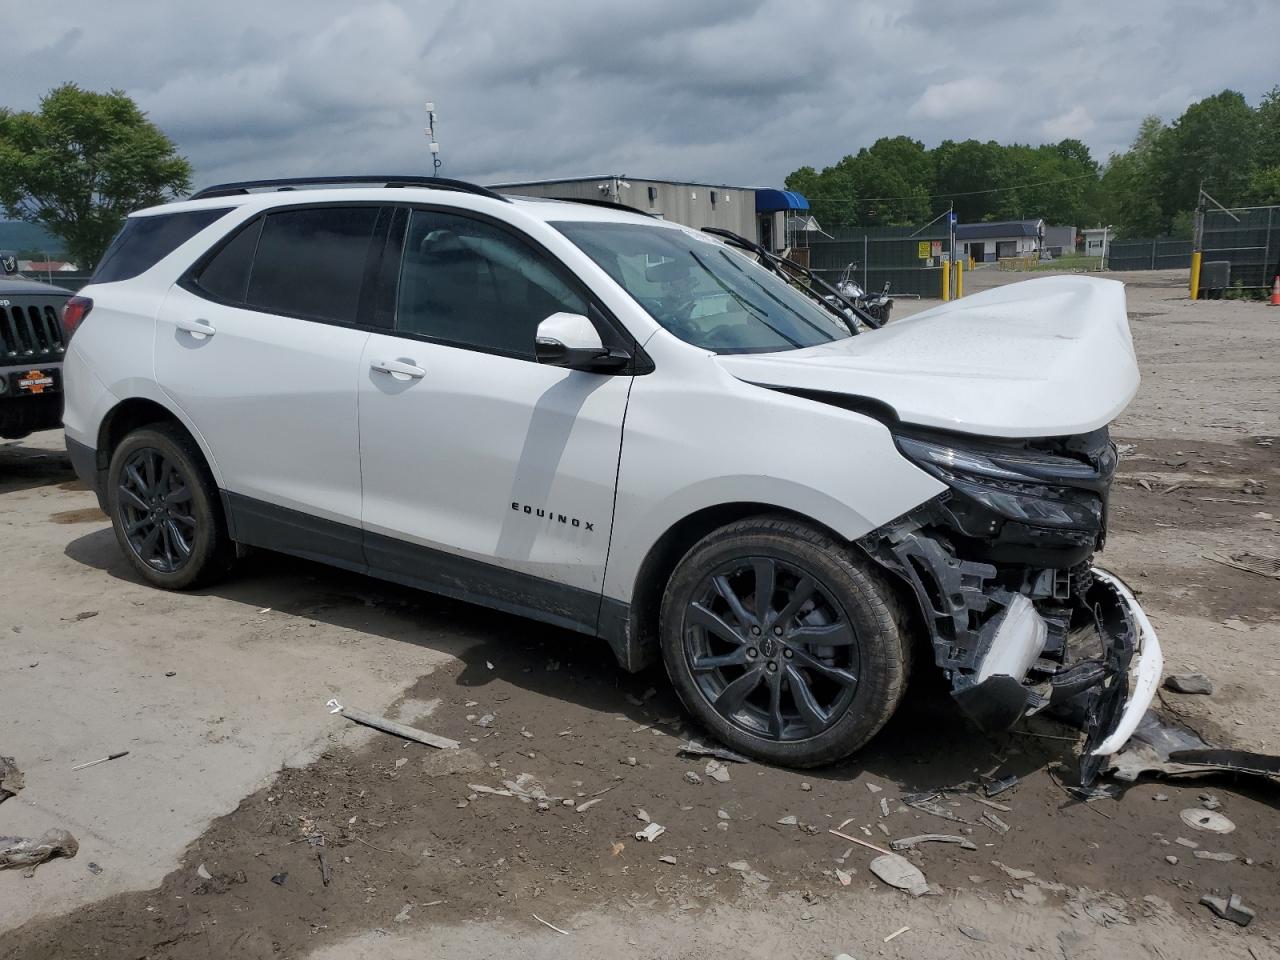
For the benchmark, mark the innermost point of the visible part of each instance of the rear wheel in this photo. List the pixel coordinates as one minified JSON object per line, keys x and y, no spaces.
{"x":165,"y":509}
{"x":784,"y":644}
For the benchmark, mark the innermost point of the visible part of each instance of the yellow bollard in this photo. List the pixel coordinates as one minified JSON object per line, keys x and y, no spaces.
{"x":959,"y":279}
{"x":946,"y":280}
{"x":1195,"y":274}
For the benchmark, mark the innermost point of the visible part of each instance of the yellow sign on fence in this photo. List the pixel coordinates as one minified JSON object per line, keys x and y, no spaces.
{"x":922,"y":250}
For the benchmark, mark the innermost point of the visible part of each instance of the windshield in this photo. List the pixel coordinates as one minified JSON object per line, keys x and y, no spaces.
{"x":704,"y":292}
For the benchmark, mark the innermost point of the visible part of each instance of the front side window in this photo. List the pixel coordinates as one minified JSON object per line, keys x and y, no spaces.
{"x":471,"y":284}
{"x":144,"y":241}
{"x":311,"y":262}
{"x":704,"y":292}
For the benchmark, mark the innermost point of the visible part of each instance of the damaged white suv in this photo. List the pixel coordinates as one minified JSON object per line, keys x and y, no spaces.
{"x":630,"y":429}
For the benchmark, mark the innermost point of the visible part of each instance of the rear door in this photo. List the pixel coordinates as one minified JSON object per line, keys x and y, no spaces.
{"x":487,"y":475}
{"x":260,"y":345}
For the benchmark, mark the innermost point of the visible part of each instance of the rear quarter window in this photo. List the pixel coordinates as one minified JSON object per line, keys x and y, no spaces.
{"x":144,"y":241}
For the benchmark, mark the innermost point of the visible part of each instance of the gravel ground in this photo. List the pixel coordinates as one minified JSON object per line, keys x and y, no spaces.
{"x":236,"y":769}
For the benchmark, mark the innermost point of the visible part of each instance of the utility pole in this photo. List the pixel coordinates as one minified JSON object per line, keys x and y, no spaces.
{"x":432,"y":144}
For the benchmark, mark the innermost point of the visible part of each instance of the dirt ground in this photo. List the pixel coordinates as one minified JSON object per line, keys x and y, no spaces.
{"x":240,"y":793}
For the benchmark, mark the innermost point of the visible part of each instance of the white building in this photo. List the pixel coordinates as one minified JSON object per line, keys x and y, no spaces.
{"x":1097,"y":240}
{"x":989,"y":242}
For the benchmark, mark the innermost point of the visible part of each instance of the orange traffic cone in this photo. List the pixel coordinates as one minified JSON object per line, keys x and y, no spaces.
{"x":1275,"y":291}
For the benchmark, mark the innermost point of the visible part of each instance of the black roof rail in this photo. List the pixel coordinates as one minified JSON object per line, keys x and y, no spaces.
{"x":599,"y":202}
{"x":292,"y":183}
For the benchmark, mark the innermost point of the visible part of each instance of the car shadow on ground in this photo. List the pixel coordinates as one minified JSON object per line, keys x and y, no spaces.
{"x":24,"y":467}
{"x":926,"y":746}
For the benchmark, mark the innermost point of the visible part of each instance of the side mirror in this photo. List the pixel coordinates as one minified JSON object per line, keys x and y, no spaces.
{"x":8,"y":262}
{"x":571,"y":340}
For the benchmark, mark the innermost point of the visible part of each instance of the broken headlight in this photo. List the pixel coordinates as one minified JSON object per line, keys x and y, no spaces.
{"x":1014,"y":481}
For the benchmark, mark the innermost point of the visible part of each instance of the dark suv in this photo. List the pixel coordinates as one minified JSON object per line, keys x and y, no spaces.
{"x":31,"y":348}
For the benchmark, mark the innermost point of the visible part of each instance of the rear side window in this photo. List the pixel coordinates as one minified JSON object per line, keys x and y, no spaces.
{"x":226,"y":275}
{"x":144,"y":241}
{"x":310,"y":263}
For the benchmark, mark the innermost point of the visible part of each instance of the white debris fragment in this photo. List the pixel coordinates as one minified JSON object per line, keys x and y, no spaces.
{"x":717,"y":771}
{"x":643,"y":816}
{"x":788,"y":821}
{"x":844,"y":877}
{"x":901,"y":873}
{"x":873,"y":788}
{"x":583,"y":807}
{"x":651,"y":833}
{"x":203,"y":872}
{"x":1208,"y":820}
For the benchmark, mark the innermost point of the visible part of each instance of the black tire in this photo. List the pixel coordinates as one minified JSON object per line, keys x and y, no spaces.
{"x":850,"y":604}
{"x":189,"y":513}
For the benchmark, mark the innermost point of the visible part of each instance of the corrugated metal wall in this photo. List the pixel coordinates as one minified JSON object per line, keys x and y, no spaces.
{"x":734,"y":208}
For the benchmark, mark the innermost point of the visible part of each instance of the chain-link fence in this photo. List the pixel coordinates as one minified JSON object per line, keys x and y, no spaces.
{"x":1248,"y":238}
{"x":1154,"y":253}
{"x":910,"y":262}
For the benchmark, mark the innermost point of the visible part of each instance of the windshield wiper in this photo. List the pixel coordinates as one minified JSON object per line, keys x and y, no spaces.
{"x":776,"y":264}
{"x":741,"y":301}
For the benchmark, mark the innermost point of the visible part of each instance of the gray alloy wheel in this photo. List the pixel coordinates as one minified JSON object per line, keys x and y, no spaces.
{"x":783,"y":641}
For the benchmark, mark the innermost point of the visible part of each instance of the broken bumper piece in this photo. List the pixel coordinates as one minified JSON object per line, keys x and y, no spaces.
{"x":1016,"y":640}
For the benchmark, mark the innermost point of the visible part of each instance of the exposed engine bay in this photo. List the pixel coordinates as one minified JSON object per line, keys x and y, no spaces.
{"x":1001,"y":566}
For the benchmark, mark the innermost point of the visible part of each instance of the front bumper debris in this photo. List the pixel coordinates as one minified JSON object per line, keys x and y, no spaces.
{"x":1016,"y":640}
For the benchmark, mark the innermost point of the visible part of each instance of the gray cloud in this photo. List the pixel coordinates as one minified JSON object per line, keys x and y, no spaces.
{"x":739,"y":91}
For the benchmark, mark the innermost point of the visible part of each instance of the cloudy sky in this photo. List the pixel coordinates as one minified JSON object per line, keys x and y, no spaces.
{"x":733,"y":91}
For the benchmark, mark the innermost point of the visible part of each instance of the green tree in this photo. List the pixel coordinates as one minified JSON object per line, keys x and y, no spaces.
{"x":81,"y":163}
{"x":1130,"y":188}
{"x":1214,"y":142}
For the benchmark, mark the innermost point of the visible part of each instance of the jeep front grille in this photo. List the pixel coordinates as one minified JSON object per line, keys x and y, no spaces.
{"x":30,"y":331}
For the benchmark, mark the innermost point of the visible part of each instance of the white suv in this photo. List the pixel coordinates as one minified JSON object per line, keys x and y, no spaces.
{"x":629,"y":429}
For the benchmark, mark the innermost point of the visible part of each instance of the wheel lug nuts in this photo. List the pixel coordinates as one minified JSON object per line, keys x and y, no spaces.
{"x":755,"y":631}
{"x":752,"y":652}
{"x":777,"y":631}
{"x":788,"y":654}
{"x":773,"y":667}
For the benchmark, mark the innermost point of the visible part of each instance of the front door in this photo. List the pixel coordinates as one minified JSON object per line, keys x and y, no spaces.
{"x":487,"y":475}
{"x":260,"y":348}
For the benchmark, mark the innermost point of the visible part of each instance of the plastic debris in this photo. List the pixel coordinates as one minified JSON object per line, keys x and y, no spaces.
{"x":909,"y":843}
{"x":1214,"y":855}
{"x":1206,"y":820}
{"x":280,"y":878}
{"x":551,"y":925}
{"x":402,"y":730}
{"x":884,"y":807}
{"x":651,"y":832}
{"x":11,"y":780}
{"x":997,"y":787}
{"x":203,"y":872}
{"x":717,"y":771}
{"x":17,"y":853}
{"x":691,"y":777}
{"x":1189,"y":683}
{"x":1012,"y":872}
{"x":94,"y":763}
{"x":900,"y":872}
{"x":994,"y":822}
{"x":787,"y":821}
{"x":843,"y":877}
{"x":973,"y":933}
{"x":1256,"y":563}
{"x":897,"y":933}
{"x":695,"y":748}
{"x":643,"y":816}
{"x":1231,"y":908}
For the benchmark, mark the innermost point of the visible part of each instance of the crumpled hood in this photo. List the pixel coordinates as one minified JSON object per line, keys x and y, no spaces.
{"x":1046,"y":357}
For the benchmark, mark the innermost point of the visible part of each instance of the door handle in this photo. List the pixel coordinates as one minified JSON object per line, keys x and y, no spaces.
{"x":399,"y":369}
{"x":198,"y":327}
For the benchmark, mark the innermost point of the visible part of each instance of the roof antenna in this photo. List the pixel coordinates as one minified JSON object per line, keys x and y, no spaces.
{"x":432,"y":144}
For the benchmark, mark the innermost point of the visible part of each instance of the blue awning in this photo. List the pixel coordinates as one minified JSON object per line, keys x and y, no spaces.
{"x":768,"y":201}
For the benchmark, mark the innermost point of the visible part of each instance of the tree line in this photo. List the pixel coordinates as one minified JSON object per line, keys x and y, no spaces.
{"x":1151,"y":189}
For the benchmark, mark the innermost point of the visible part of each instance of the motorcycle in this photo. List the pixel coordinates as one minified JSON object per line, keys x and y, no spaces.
{"x":878,"y":305}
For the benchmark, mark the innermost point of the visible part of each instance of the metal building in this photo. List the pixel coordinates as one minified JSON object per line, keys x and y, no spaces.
{"x":766,"y":216}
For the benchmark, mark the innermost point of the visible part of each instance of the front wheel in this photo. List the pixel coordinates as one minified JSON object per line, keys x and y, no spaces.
{"x":165,"y":509}
{"x":787,"y":646}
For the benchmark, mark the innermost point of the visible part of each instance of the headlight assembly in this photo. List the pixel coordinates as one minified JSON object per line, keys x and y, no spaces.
{"x":1018,"y":482}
